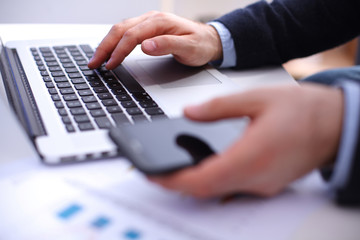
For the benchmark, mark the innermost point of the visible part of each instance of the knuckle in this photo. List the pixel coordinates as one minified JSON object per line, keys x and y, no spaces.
{"x":130,"y":33}
{"x":117,"y":28}
{"x":159,"y":15}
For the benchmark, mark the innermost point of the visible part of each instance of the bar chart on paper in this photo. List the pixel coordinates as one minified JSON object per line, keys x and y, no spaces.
{"x":97,"y":204}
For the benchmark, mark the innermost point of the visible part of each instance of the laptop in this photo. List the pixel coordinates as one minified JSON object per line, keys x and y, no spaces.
{"x":67,"y":109}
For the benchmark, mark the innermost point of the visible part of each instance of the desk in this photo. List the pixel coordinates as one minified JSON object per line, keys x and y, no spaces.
{"x":324,"y":222}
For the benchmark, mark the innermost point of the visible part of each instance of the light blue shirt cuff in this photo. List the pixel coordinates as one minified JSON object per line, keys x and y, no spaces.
{"x":227,"y":42}
{"x":341,"y":171}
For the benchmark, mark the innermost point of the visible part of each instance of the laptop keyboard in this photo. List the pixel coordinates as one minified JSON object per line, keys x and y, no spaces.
{"x":92,"y":99}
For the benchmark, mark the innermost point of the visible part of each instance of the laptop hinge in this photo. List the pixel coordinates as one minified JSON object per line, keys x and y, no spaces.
{"x":19,"y":93}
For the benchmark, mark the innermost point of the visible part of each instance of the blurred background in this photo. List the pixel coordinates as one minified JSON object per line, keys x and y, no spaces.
{"x":113,"y":11}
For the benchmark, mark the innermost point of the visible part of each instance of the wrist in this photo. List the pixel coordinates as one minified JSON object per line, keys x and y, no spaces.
{"x":215,"y":43}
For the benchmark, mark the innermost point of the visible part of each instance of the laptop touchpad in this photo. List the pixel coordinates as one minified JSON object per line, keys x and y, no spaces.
{"x":168,"y":73}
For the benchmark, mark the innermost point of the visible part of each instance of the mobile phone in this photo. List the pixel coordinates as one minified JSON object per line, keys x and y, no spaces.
{"x":164,"y":146}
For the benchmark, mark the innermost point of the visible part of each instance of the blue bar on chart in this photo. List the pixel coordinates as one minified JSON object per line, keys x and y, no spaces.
{"x":69,"y":211}
{"x":100,"y":222}
{"x":132,"y":234}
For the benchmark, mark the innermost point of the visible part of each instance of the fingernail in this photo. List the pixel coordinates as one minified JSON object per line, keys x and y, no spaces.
{"x":149,"y":45}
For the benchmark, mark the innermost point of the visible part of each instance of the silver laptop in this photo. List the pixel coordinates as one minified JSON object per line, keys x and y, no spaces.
{"x":67,"y":109}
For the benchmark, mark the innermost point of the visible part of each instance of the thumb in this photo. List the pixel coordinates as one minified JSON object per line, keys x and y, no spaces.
{"x":181,"y":47}
{"x":248,"y":104}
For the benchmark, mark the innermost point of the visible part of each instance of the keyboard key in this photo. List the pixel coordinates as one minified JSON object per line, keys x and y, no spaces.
{"x":70,"y":128}
{"x":50,"y":59}
{"x":85,"y":126}
{"x":65,"y":91}
{"x":109,"y":102}
{"x":114,"y":109}
{"x":77,"y":111}
{"x":120,"y":118}
{"x":42,"y":68}
{"x":68,"y":65}
{"x":89,"y":99}
{"x":96,"y":83}
{"x":44,"y":73}
{"x":71,"y":70}
{"x":84,"y":68}
{"x":86,"y":48}
{"x":59,"y":104}
{"x":65,"y":60}
{"x":75,"y":75}
{"x":89,"y":73}
{"x":103,"y":122}
{"x":57,"y":74}
{"x":75,"y":53}
{"x":49,"y":85}
{"x":134,"y":111}
{"x":60,"y":79}
{"x":103,"y":96}
{"x":81,"y":118}
{"x":83,"y":62}
{"x":97,"y":113}
{"x":37,"y":58}
{"x":128,"y":104}
{"x":100,"y":89}
{"x":63,"y":85}
{"x":47,"y":79}
{"x":92,"y":106}
{"x":39,"y":63}
{"x":44,"y":49}
{"x":66,"y":120}
{"x":47,"y":54}
{"x":70,"y":97}
{"x":114,"y":85}
{"x":62,"y":55}
{"x":123,"y":97}
{"x":73,"y":104}
{"x":139,"y":118}
{"x":52,"y":64}
{"x":77,"y":80}
{"x":158,"y":117}
{"x":154,"y":111}
{"x":85,"y":92}
{"x":79,"y":58}
{"x":141,"y":96}
{"x":56,"y":97}
{"x":62,"y":112}
{"x":82,"y":86}
{"x":54,"y":69}
{"x":52,"y":91}
{"x":118,"y":91}
{"x":148,"y":104}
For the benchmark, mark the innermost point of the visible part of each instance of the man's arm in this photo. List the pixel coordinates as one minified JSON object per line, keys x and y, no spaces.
{"x":285,"y":29}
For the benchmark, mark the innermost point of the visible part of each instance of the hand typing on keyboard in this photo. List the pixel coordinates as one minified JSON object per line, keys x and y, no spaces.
{"x":191,"y":43}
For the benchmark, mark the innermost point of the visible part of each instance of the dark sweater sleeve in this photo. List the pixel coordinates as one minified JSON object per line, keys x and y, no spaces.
{"x":273,"y":33}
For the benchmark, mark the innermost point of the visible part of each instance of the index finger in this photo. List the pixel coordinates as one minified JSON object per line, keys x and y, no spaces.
{"x":110,"y":41}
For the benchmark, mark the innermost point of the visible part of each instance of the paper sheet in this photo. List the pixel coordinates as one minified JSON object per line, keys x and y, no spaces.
{"x":111,"y":200}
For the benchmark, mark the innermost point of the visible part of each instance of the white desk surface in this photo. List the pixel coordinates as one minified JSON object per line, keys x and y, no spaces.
{"x":330,"y":222}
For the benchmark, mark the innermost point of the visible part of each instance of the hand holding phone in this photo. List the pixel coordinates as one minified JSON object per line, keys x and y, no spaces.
{"x":165,"y":146}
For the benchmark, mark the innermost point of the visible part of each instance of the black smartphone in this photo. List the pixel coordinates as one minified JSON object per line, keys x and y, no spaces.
{"x":164,"y":146}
